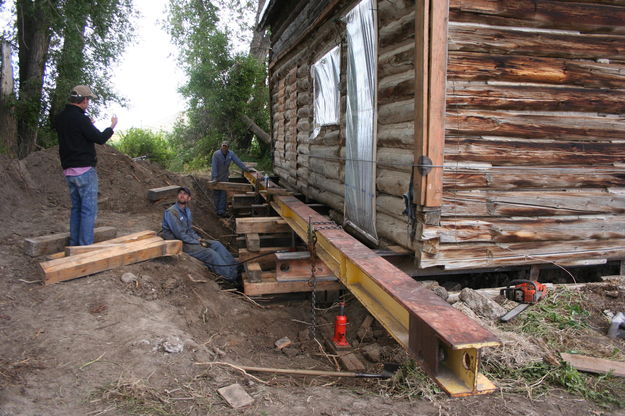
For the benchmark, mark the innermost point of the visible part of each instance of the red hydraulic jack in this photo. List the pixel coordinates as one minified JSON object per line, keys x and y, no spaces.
{"x":340,"y":328}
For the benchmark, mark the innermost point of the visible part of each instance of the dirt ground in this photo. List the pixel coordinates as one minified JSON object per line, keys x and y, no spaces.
{"x":99,"y":346}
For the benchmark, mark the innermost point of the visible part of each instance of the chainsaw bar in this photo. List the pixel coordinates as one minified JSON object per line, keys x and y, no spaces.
{"x":514,"y":312}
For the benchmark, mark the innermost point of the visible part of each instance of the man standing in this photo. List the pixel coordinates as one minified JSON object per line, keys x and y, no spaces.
{"x":77,"y":138}
{"x":178,"y":225}
{"x":220,"y":167}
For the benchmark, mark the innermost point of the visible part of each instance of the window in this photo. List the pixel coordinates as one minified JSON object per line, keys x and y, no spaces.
{"x":326,"y":77}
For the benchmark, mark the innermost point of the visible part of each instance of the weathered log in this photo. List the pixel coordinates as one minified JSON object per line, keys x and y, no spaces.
{"x":532,"y":153}
{"x":396,"y":112}
{"x":325,"y":183}
{"x":532,"y":203}
{"x":396,"y":58}
{"x":392,"y":182}
{"x":598,"y":18}
{"x":524,"y":42}
{"x":462,"y":95}
{"x":327,"y":168}
{"x":393,"y":229}
{"x":397,"y":30}
{"x":497,"y":179}
{"x":484,"y":67}
{"x":390,"y":11}
{"x":395,"y":159}
{"x":334,"y":201}
{"x":392,"y":206}
{"x":558,"y":126}
{"x":399,"y":135}
{"x":395,"y":87}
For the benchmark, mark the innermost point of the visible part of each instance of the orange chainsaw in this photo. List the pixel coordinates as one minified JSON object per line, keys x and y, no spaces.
{"x":525,"y":292}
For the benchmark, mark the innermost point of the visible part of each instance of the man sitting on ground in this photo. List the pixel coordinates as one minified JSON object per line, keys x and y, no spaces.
{"x":177,"y":225}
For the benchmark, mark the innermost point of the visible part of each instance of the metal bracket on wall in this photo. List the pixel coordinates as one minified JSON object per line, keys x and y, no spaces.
{"x":424,"y":165}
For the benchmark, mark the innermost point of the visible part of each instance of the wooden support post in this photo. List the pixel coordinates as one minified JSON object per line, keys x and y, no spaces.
{"x":297,"y":266}
{"x":261,"y":225}
{"x":156,"y":194}
{"x":47,"y":244}
{"x":252,"y":241}
{"x":431,"y":71}
{"x":266,"y":262}
{"x":88,"y":263}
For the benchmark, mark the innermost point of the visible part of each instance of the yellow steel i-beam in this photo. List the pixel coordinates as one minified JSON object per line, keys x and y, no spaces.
{"x":444,"y":341}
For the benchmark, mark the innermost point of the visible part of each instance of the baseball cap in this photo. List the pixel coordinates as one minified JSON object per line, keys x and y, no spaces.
{"x":185,"y":189}
{"x":225,"y":143}
{"x":82,"y":91}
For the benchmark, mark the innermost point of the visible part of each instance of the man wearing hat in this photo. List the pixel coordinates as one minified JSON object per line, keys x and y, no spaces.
{"x":178,"y":225}
{"x":220,"y":172}
{"x":77,"y":139}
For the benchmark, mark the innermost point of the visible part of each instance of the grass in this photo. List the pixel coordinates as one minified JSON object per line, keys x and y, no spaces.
{"x":562,"y":321}
{"x":411,"y":382}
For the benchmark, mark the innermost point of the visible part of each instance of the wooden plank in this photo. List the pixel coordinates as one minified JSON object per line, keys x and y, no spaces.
{"x":575,"y":45}
{"x":552,"y":126}
{"x":46,"y":244}
{"x":75,"y":250}
{"x":170,"y":191}
{"x":252,"y":242}
{"x":597,"y":18}
{"x":529,"y":178}
{"x":594,"y":365}
{"x":346,"y":355}
{"x":431,"y":70}
{"x":515,"y":68}
{"x":270,"y":286}
{"x":88,"y":263}
{"x":141,"y":235}
{"x":229,"y":186}
{"x":261,"y":225}
{"x":532,"y":153}
{"x":297,"y":266}
{"x":236,"y":396}
{"x":533,"y":203}
{"x":464,"y":95}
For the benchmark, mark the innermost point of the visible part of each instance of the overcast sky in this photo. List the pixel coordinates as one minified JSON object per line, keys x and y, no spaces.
{"x":147,"y":75}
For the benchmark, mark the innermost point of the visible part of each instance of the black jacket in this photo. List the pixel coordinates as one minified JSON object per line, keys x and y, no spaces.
{"x":77,"y":137}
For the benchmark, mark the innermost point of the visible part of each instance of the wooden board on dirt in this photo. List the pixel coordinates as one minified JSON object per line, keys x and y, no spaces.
{"x":156,"y":194}
{"x":75,"y":250}
{"x":47,"y":244}
{"x":128,"y":238}
{"x":594,"y":365}
{"x":80,"y":265}
{"x":236,"y":396}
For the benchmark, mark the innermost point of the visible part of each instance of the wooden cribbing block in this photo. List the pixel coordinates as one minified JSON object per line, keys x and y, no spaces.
{"x":108,"y":258}
{"x":297,"y":266}
{"x":141,"y":235}
{"x":230,"y":186}
{"x":75,"y":250}
{"x":252,"y":242}
{"x":253,"y":271}
{"x":262,"y":225}
{"x":155,"y":194}
{"x":47,"y":244}
{"x":270,"y":286}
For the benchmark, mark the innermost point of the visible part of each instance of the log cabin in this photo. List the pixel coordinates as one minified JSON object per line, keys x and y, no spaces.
{"x":475,"y":133}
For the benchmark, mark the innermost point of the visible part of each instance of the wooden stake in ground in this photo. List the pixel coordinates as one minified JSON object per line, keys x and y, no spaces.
{"x":594,"y":365}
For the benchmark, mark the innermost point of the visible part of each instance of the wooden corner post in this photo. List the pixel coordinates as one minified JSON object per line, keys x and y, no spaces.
{"x":432,"y":17}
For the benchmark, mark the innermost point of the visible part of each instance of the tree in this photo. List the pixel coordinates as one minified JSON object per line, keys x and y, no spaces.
{"x":141,"y":142}
{"x":224,"y":91}
{"x":62,"y":43}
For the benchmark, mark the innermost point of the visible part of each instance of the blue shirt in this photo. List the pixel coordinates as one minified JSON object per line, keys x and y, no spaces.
{"x":220,"y":165}
{"x":177,"y":225}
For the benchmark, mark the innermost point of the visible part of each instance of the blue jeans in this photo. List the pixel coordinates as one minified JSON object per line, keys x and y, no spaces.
{"x":83,"y":191}
{"x":216,"y":257}
{"x":220,"y":202}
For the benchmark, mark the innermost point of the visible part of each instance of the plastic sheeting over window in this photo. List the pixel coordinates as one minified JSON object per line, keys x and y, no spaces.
{"x":326,"y":78}
{"x":360,"y":198}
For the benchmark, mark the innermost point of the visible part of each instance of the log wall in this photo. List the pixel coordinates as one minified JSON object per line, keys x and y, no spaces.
{"x":535,"y":129}
{"x":534,"y":151}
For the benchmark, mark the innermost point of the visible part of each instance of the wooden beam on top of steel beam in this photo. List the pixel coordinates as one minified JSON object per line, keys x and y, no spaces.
{"x":229,"y":186}
{"x":431,"y":20}
{"x":261,"y":225}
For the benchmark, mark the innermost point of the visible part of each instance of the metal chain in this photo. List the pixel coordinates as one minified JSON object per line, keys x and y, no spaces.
{"x":312,"y":282}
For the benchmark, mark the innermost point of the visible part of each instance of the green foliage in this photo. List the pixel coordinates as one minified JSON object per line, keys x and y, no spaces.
{"x":221,"y":87}
{"x":411,"y":382}
{"x":141,"y":142}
